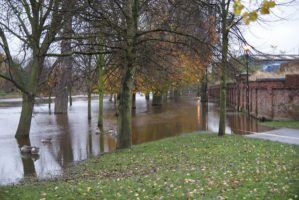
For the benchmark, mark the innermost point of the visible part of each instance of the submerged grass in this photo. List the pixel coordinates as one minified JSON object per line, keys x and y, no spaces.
{"x":280,"y":124}
{"x":193,"y":166}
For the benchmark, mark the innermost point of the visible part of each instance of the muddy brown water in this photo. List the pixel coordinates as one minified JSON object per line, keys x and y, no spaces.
{"x":74,"y":138}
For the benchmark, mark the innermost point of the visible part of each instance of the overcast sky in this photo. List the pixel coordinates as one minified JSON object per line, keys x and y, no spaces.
{"x":283,"y":33}
{"x":281,"y":30}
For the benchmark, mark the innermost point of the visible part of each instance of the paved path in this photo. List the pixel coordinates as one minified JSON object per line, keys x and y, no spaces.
{"x":284,"y":135}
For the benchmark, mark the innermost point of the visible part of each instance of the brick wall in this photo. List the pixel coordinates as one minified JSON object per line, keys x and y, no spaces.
{"x":275,"y":99}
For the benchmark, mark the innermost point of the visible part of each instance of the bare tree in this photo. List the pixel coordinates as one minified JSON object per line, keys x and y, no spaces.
{"x":64,"y":85}
{"x":33,"y":26}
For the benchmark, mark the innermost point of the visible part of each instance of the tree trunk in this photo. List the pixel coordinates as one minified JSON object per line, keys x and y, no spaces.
{"x":164,"y":97}
{"x":171,"y":93}
{"x":225,"y":32}
{"x":100,"y":65}
{"x":222,"y":113}
{"x":203,"y":116}
{"x":100,"y":116}
{"x":116,"y":100}
{"x":89,"y":89}
{"x":134,"y":100}
{"x":102,"y":143}
{"x":203,"y":96}
{"x":49,"y":102}
{"x":89,"y":104}
{"x":177,"y":94}
{"x":125,"y":111}
{"x":157,"y":99}
{"x":125,"y":96}
{"x":31,"y":85}
{"x":26,"y":116}
{"x":61,"y":100}
{"x":147,"y":96}
{"x":70,"y":94}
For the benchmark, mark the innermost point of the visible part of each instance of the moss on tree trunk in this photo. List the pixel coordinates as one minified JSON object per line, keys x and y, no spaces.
{"x":125,"y":111}
{"x":89,"y":104}
{"x":23,"y":129}
{"x":31,"y":85}
{"x":100,"y":65}
{"x":224,"y":52}
{"x":125,"y":95}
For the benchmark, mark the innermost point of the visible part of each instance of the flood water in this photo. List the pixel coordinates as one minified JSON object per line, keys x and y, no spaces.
{"x":75,"y":139}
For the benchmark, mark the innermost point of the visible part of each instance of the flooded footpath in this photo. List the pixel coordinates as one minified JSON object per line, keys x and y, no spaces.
{"x":74,"y":138}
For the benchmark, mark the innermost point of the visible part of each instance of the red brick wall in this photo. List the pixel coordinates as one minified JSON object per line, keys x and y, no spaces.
{"x":276,"y":99}
{"x":292,"y":80}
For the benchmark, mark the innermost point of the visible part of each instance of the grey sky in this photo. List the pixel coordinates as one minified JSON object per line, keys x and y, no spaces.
{"x":283,"y":33}
{"x":281,"y":30}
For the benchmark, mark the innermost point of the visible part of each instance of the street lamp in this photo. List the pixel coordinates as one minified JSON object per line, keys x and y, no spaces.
{"x":247,"y":49}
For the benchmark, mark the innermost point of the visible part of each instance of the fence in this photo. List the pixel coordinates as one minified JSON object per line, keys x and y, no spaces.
{"x":271,"y":98}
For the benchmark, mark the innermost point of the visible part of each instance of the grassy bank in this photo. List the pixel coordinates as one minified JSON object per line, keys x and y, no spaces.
{"x":280,"y":124}
{"x":193,"y":166}
{"x":4,"y":95}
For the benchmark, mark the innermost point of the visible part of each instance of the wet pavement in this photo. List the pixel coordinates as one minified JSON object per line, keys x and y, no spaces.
{"x":284,"y":135}
{"x":74,"y":138}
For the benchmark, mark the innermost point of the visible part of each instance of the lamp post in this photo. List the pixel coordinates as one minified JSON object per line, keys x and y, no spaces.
{"x":246,"y":49}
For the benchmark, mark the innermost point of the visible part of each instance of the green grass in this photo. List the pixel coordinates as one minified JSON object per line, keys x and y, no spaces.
{"x":193,"y":166}
{"x":4,"y":95}
{"x":279,"y":124}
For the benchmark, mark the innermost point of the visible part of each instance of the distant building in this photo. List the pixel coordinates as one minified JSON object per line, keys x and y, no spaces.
{"x":273,"y":63}
{"x":291,"y":66}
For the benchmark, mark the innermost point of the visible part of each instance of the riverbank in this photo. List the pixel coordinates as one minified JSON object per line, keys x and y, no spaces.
{"x":282,"y":124}
{"x":188,"y":166}
{"x":4,"y":95}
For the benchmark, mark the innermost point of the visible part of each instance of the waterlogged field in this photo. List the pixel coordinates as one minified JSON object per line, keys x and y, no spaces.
{"x":75,"y":139}
{"x":193,"y":166}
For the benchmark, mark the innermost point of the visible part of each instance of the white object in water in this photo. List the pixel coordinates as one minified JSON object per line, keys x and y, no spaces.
{"x":29,"y":149}
{"x":46,"y":140}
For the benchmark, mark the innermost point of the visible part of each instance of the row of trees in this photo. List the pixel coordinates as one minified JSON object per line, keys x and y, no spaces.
{"x":115,"y":46}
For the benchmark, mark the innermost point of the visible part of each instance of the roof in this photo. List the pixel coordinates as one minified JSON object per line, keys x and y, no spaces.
{"x":282,"y":57}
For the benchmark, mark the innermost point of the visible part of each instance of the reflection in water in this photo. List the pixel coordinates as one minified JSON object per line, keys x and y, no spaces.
{"x":198,"y":113}
{"x":64,"y":149}
{"x":201,"y":115}
{"x":203,"y":107}
{"x":27,"y":158}
{"x":75,"y":139}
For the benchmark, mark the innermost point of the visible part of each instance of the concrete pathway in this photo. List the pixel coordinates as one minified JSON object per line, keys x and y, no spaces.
{"x":284,"y":135}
